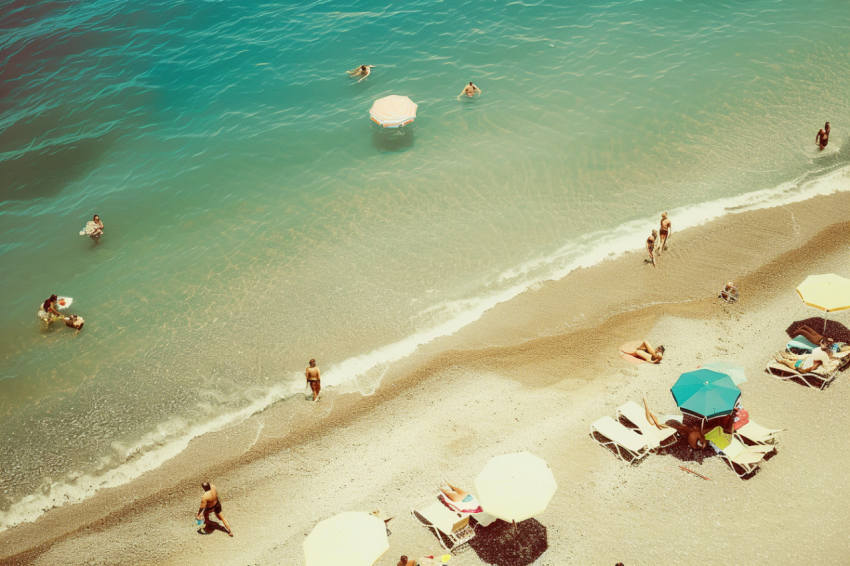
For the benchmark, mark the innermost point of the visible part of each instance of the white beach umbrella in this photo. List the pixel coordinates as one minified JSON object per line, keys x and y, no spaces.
{"x":354,"y":538}
{"x":515,"y":487}
{"x":393,"y":111}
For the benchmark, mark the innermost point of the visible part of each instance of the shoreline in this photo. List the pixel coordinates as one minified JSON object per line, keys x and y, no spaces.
{"x":612,"y":300}
{"x":432,"y":340}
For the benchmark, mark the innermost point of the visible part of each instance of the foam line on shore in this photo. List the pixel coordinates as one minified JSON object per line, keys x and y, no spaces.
{"x":364,"y":372}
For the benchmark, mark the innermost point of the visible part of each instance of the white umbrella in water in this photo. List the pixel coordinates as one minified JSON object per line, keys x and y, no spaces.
{"x":515,"y":487}
{"x":393,"y":111}
{"x":354,"y":538}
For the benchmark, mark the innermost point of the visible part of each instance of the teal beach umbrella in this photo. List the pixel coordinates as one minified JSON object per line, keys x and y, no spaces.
{"x":736,"y":372}
{"x":705,"y":393}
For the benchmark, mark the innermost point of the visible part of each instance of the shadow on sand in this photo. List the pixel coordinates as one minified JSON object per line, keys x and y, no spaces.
{"x":502,"y":545}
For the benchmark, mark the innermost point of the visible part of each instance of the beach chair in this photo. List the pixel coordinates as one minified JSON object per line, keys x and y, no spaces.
{"x":799,"y":345}
{"x":739,"y":455}
{"x":758,"y":434}
{"x":636,"y":415}
{"x":451,"y":528}
{"x":821,"y":376}
{"x":622,"y":439}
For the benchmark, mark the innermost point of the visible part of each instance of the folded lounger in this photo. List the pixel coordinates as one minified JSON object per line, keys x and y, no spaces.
{"x":636,"y":414}
{"x":754,"y":432}
{"x":622,"y":439}
{"x":744,"y":457}
{"x":452,"y":528}
{"x":783,"y":372}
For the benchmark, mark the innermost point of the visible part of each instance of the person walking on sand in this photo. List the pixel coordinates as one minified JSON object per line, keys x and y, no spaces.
{"x":650,"y":246}
{"x":664,"y":233}
{"x":211,"y":503}
{"x":823,"y":137}
{"x":362,"y":71}
{"x":469,"y":90}
{"x":313,"y":379}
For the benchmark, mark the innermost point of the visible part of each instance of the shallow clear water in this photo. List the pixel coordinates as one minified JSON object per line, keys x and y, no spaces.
{"x":255,"y":219}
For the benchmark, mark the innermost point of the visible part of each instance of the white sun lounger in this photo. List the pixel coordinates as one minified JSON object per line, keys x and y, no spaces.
{"x":620,"y":438}
{"x":452,"y":528}
{"x":636,"y":414}
{"x":744,"y":457}
{"x":754,"y":432}
{"x":783,"y":372}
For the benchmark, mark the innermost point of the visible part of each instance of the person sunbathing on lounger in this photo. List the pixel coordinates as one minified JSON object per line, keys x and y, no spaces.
{"x":462,"y":499}
{"x":646,"y":352}
{"x":808,"y":362}
{"x":696,"y":437}
{"x":815,"y":337}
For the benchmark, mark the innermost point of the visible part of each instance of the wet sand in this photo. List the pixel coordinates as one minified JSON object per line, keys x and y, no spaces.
{"x":531,"y":374}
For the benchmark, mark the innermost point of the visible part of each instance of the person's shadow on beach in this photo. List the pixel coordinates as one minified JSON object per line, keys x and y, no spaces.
{"x":210,"y":527}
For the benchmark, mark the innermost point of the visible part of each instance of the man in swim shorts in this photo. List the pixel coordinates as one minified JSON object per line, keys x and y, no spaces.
{"x":211,"y":503}
{"x":650,"y":246}
{"x":469,"y":90}
{"x":823,"y":137}
{"x":313,"y":379}
{"x":664,"y":233}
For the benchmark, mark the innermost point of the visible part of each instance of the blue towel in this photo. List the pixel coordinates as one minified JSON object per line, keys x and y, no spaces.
{"x":800,"y":343}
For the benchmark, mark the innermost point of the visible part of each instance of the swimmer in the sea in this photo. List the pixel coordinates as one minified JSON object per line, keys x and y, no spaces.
{"x":823,"y":137}
{"x":362,"y":71}
{"x":469,"y":90}
{"x":74,"y":321}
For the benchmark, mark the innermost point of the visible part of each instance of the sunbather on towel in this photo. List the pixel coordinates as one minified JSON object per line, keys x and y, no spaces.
{"x":646,"y":352}
{"x":459,"y":500}
{"x":696,"y":437}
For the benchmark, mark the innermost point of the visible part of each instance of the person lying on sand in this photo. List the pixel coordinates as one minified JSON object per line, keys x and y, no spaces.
{"x":362,"y":71}
{"x":211,"y":503}
{"x":647,"y":353}
{"x":695,"y":436}
{"x":729,"y":293}
{"x":650,"y":246}
{"x":424,"y":561}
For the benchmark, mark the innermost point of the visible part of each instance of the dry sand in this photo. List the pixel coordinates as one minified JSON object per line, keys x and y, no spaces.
{"x":531,"y":375}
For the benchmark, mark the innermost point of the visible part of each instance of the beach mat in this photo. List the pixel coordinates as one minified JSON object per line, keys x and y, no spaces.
{"x":628,"y":347}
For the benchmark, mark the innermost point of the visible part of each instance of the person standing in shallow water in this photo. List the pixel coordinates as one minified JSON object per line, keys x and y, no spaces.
{"x":823,"y":137}
{"x":313,"y":379}
{"x":211,"y":503}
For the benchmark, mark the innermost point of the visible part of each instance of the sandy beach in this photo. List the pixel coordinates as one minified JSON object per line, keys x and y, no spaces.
{"x":530,"y":375}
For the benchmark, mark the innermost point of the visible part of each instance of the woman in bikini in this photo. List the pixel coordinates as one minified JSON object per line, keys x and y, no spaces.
{"x":463,"y":500}
{"x":650,"y":246}
{"x":647,"y":353}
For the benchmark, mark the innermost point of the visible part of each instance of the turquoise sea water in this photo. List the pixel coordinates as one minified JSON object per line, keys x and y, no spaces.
{"x":255,"y":219}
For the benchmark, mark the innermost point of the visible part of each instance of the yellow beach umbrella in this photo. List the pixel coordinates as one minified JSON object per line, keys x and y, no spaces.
{"x":826,"y":292}
{"x":393,"y":111}
{"x":515,"y":487}
{"x":353,"y":538}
